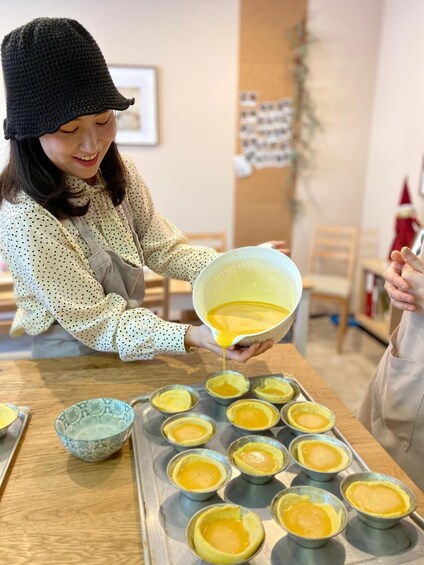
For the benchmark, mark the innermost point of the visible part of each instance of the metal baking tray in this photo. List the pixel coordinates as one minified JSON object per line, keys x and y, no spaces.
{"x":165,"y":511}
{"x":9,"y":442}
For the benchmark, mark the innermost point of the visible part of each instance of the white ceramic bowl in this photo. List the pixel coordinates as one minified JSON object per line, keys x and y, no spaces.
{"x":94,"y":429}
{"x":249,"y":273}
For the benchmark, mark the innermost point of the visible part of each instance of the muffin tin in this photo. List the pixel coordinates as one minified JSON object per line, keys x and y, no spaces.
{"x":165,"y":511}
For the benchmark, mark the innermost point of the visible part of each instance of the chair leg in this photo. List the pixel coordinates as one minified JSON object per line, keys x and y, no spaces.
{"x":342,"y":325}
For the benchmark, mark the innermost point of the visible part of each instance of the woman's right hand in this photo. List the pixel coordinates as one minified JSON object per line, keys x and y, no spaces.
{"x":405,"y":280}
{"x":201,"y":336}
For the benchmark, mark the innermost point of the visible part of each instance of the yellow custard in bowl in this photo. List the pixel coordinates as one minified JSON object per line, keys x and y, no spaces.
{"x":196,"y":471}
{"x":379,"y":498}
{"x":227,"y":384}
{"x":7,"y":415}
{"x":225,"y":534}
{"x":253,"y":415}
{"x":189,"y":430}
{"x":303,"y":517}
{"x":309,"y":417}
{"x":321,"y":456}
{"x":274,"y":389}
{"x":258,"y":458}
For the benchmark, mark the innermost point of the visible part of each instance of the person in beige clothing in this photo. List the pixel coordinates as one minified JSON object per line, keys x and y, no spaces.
{"x":393,"y":409}
{"x":77,"y":222}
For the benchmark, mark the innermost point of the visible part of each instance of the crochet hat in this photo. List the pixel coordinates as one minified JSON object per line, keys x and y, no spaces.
{"x":54,"y":72}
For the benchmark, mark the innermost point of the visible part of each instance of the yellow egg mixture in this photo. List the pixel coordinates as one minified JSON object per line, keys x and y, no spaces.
{"x":7,"y":415}
{"x":321,"y":455}
{"x":260,"y":458}
{"x":224,"y":534}
{"x":251,"y":415}
{"x":197,"y":473}
{"x":244,"y":317}
{"x":227,"y":535}
{"x":225,"y":389}
{"x":306,"y":518}
{"x":308,"y":416}
{"x":188,"y":430}
{"x":379,"y":498}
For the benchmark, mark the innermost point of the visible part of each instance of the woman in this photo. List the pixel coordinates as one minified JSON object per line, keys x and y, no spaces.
{"x":77,"y":223}
{"x":393,"y":409}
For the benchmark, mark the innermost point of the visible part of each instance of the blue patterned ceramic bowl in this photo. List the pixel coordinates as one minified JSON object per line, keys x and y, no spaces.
{"x":95,"y":429}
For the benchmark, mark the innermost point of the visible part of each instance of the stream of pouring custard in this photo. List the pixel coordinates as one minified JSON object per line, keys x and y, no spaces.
{"x":243,"y":317}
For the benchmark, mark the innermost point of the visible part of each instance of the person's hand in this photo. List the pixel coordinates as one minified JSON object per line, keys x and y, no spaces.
{"x":278,"y":245}
{"x":201,"y":336}
{"x":405,"y":280}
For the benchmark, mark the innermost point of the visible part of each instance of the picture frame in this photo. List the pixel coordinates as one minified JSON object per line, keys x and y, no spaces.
{"x":138,"y":125}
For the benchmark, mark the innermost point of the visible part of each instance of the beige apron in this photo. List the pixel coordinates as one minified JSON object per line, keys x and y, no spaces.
{"x":113,"y":273}
{"x":393,"y":409}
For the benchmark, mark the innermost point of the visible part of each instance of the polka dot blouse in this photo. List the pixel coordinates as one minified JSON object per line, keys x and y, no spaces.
{"x":53,"y":280}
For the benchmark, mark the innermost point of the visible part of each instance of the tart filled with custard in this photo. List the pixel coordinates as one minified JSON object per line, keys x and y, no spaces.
{"x":379,"y":498}
{"x":227,"y":534}
{"x":276,"y":390}
{"x":322,"y":456}
{"x":259,"y":458}
{"x":188,"y":430}
{"x":310,"y":417}
{"x":301,"y":516}
{"x":198,"y":473}
{"x":228,"y":384}
{"x":253,"y":415}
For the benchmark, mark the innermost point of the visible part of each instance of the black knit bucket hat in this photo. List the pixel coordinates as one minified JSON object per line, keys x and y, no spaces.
{"x":54,"y":72}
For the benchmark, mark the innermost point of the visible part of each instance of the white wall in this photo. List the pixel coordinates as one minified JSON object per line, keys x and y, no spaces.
{"x":365,"y":78}
{"x":397,"y":140}
{"x":194,"y":44}
{"x":343,"y":66}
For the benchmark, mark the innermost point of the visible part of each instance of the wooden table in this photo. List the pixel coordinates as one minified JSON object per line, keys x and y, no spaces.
{"x":56,"y":509}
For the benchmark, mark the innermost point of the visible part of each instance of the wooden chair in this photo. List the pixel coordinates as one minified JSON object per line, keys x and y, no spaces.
{"x":216,"y":240}
{"x":156,"y":295}
{"x":7,"y":307}
{"x":331,"y":268}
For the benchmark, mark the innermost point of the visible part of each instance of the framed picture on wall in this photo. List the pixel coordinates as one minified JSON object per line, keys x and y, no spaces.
{"x":139,"y":124}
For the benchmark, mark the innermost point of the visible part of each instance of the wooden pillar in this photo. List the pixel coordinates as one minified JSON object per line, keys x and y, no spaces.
{"x":262,"y":199}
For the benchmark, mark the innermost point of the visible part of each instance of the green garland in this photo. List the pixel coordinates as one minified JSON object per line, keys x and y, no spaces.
{"x":305,"y":121}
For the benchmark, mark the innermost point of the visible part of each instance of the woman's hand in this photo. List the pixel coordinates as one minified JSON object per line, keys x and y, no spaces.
{"x":201,"y":336}
{"x":278,"y":245}
{"x":405,"y":280}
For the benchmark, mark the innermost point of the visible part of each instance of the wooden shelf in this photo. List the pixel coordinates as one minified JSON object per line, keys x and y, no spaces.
{"x":376,"y":326}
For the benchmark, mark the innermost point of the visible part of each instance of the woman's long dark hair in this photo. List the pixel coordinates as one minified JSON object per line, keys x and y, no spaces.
{"x":31,"y":171}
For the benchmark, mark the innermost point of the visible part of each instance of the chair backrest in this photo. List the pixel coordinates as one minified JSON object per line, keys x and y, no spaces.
{"x":216,"y":240}
{"x":333,"y":250}
{"x":156,"y":295}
